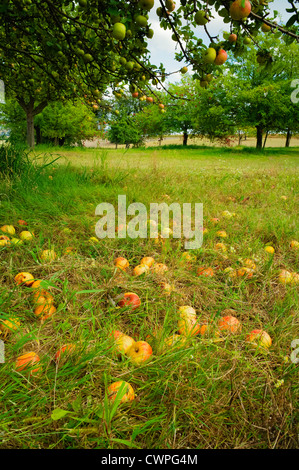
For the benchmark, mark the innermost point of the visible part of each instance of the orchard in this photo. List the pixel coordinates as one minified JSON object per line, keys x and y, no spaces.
{"x":60,"y":50}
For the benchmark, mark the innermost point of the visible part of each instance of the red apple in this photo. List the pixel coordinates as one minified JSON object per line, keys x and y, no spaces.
{"x":237,"y":12}
{"x":221,"y":57}
{"x":129,"y":300}
{"x":232,"y":38}
{"x":229,"y":324}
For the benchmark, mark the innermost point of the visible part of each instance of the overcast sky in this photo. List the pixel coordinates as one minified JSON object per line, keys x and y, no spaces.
{"x":163,"y":48}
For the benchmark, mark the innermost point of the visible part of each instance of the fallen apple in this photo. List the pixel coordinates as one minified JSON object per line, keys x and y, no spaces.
{"x":26,"y":235}
{"x":174,"y":340}
{"x":159,"y":268}
{"x":140,"y":269}
{"x":229,"y":324}
{"x":48,"y":255}
{"x":8,"y":229}
{"x":166,"y":288}
{"x":26,"y":361}
{"x":259,"y":338}
{"x":125,"y":390}
{"x":64,"y":352}
{"x":44,"y":311}
{"x":122,"y":342}
{"x":139,"y":352}
{"x":207,"y":272}
{"x":129,"y":299}
{"x":148,"y":261}
{"x":121,"y":263}
{"x":270,"y":249}
{"x":24,"y":278}
{"x":41,"y":297}
{"x":221,"y":234}
{"x":294,"y":245}
{"x":188,"y":326}
{"x":186,"y":311}
{"x":9,"y":325}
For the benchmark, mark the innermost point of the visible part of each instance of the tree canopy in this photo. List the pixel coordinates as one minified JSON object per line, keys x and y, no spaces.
{"x":64,"y":49}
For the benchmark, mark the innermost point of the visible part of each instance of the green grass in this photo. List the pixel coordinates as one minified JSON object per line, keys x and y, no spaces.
{"x":209,"y":394}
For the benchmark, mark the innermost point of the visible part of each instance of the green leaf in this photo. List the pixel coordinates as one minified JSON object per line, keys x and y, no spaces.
{"x":59,"y":413}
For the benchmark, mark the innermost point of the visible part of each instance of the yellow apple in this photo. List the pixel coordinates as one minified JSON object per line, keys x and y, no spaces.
{"x":26,"y":235}
{"x":139,"y":352}
{"x":8,"y":229}
{"x":259,"y":338}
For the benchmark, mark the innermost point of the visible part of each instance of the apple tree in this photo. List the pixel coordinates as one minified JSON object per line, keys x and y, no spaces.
{"x":55,"y":49}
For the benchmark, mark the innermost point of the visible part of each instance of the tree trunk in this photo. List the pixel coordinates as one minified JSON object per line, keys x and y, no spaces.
{"x":289,"y":136}
{"x":30,"y":113}
{"x":265,"y":140}
{"x":30,"y":129}
{"x":259,"y":137}
{"x":185,"y":138}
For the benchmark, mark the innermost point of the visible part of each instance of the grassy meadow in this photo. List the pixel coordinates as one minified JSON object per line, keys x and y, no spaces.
{"x":213,"y":391}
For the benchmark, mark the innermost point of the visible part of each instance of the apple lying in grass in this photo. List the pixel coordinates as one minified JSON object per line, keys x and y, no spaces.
{"x":186,"y":256}
{"x":148,"y":261}
{"x":129,"y":299}
{"x":221,"y":234}
{"x":188,"y":326}
{"x":41,"y":297}
{"x":139,"y":352}
{"x":24,"y":278}
{"x":26,"y":235}
{"x":122,"y":342}
{"x":4,"y":240}
{"x":270,"y":249}
{"x":64,"y":352}
{"x":159,"y":268}
{"x":8,"y":229}
{"x":186,"y":311}
{"x":124,"y":388}
{"x":140,"y":269}
{"x":166,"y":288}
{"x":287,"y":277}
{"x":259,"y":338}
{"x":16,"y":241}
{"x":9,"y":325}
{"x":44,"y":311}
{"x":22,"y":222}
{"x":26,"y":361}
{"x":175,"y":340}
{"x":121,"y":263}
{"x":245,"y":272}
{"x":48,"y":255}
{"x":229,"y":324}
{"x":206,"y":272}
{"x":249,"y":263}
{"x":294,"y":245}
{"x":220,"y":247}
